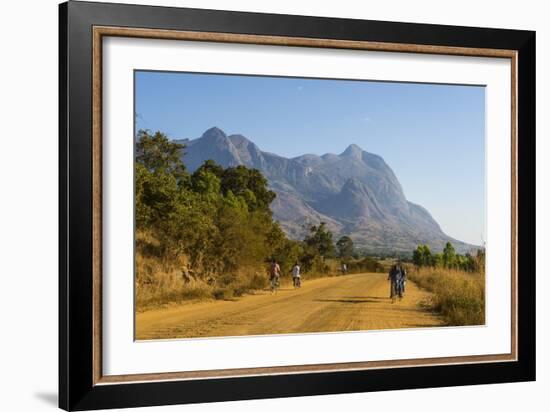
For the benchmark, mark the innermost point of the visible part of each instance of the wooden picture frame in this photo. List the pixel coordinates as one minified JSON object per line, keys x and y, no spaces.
{"x":83,"y":26}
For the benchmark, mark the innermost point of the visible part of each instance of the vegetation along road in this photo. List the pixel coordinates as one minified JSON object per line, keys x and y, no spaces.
{"x":342,"y":303}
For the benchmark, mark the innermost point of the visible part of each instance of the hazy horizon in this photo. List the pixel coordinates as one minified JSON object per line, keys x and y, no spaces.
{"x":431,"y":136}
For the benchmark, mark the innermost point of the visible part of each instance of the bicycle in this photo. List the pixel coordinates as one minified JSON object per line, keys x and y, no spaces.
{"x":274,"y":284}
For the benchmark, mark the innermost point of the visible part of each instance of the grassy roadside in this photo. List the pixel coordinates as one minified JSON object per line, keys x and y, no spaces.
{"x":159,"y":284}
{"x":162,"y":281}
{"x":172,"y":288}
{"x":458,"y":296}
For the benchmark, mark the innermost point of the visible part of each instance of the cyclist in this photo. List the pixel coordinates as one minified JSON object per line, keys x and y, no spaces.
{"x":274,"y":275}
{"x":296,"y":277}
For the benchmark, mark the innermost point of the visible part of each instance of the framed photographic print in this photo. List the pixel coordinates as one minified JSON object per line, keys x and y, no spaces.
{"x":256,"y":205}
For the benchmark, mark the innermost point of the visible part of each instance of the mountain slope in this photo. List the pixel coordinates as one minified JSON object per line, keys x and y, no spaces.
{"x":356,"y":193}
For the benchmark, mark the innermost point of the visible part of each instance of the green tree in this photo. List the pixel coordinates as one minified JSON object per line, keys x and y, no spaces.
{"x":320,"y":240}
{"x":250,"y":184}
{"x":449,"y":255}
{"x":417,"y":256}
{"x":438,"y":260}
{"x":285,"y":251}
{"x":345,"y":247}
{"x":422,"y":256}
{"x":206,"y":182}
{"x":159,"y":175}
{"x":212,"y":167}
{"x":158,"y":154}
{"x":241,"y":236}
{"x":156,"y":194}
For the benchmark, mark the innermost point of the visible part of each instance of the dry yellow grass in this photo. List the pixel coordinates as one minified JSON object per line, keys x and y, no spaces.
{"x":158,"y":285}
{"x":161,"y":282}
{"x":459,"y":296}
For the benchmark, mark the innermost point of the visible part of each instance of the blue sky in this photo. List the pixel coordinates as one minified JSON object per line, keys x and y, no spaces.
{"x":432,"y":136}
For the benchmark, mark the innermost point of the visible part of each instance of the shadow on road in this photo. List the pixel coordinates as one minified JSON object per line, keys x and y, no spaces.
{"x":365,"y":297}
{"x":365,"y":300}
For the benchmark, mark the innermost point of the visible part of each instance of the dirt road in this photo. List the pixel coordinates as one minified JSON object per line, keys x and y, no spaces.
{"x":343,"y":303}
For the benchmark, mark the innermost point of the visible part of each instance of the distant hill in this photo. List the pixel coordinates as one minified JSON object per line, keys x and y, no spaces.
{"x":356,"y":193}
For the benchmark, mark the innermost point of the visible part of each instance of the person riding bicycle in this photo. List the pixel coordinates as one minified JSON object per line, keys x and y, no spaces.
{"x":344,"y":269}
{"x":274,"y":274}
{"x":296,"y":277}
{"x":395,"y":277}
{"x":403,"y":281}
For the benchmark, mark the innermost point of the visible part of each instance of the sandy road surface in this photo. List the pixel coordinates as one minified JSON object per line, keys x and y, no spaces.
{"x":344,"y":303}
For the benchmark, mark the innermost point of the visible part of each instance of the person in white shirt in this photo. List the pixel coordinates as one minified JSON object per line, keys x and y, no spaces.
{"x":344,"y":269}
{"x":296,"y":277}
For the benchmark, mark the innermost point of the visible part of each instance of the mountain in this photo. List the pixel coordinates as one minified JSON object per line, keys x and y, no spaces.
{"x":355,"y":193}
